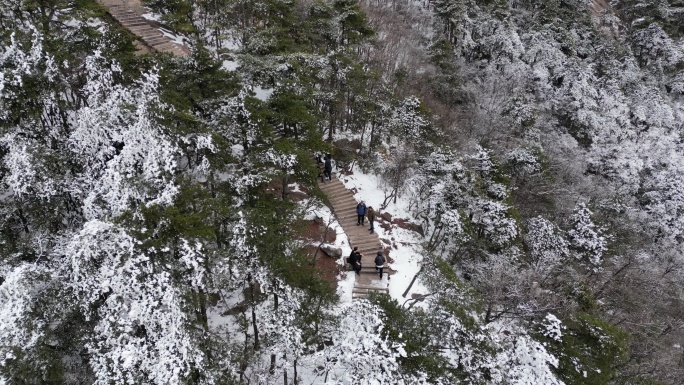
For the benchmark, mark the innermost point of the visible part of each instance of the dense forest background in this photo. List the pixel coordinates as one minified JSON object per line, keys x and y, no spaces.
{"x":539,"y":143}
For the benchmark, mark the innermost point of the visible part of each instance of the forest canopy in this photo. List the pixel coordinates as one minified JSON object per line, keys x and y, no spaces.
{"x":150,"y":236}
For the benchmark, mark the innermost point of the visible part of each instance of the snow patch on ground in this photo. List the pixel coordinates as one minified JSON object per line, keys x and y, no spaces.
{"x":152,"y":16}
{"x":176,"y":39}
{"x":263,"y":94}
{"x":229,"y":65}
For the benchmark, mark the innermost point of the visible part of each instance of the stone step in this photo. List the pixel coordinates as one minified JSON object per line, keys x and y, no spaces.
{"x":365,"y":293}
{"x":346,"y":210}
{"x":329,"y":187}
{"x":365,"y":243}
{"x":368,"y":250}
{"x":346,"y":203}
{"x":168,"y":46}
{"x":344,"y":200}
{"x":351,"y":214}
{"x":350,"y":220}
{"x":120,"y":8}
{"x":152,"y":40}
{"x":361,"y":234}
{"x":154,"y":35}
{"x":125,"y":15}
{"x":373,"y":246}
{"x":352,"y":226}
{"x":334,"y":195}
{"x":346,"y":214}
{"x":364,"y":237}
{"x":370,"y":287}
{"x":334,"y":182}
{"x":335,"y":186}
{"x":142,"y":29}
{"x":134,"y":23}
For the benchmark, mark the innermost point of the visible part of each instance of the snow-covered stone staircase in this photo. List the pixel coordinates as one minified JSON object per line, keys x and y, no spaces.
{"x":344,"y":206}
{"x":129,"y":14}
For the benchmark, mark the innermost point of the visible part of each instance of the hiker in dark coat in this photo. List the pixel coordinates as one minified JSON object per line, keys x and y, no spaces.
{"x":327,"y":171}
{"x":379,"y":262}
{"x":371,"y":218}
{"x":321,"y":167}
{"x":352,"y":257}
{"x":355,"y":259}
{"x":361,"y":214}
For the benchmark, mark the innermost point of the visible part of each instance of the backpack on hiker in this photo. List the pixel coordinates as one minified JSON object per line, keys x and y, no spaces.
{"x":379,"y":261}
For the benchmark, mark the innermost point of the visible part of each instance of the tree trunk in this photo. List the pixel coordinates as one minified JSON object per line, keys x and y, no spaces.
{"x":295,"y":373}
{"x":271,"y":369}
{"x":254,"y":323}
{"x":412,"y":282}
{"x":286,"y":187}
{"x":202,"y":311}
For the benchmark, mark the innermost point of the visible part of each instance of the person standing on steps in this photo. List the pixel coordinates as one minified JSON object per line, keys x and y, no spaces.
{"x":356,"y":261}
{"x":328,"y":167}
{"x":379,"y":262}
{"x":371,"y":218}
{"x":361,"y":214}
{"x":351,"y":259}
{"x":321,"y":167}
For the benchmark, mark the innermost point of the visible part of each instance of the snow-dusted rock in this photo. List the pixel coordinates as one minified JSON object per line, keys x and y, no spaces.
{"x":331,"y":251}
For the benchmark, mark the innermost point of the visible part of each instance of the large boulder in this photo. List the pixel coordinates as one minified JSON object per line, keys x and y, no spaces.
{"x":331,"y":250}
{"x":386,"y":216}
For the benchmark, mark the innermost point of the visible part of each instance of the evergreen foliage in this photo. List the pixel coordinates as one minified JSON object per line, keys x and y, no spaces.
{"x":148,"y":233}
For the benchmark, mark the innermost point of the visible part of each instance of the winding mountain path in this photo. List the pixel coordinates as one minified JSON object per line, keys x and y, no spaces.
{"x":344,"y":206}
{"x":129,"y":14}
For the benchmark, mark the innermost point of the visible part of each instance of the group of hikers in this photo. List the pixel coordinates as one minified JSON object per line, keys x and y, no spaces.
{"x":354,"y":260}
{"x":362,"y":213}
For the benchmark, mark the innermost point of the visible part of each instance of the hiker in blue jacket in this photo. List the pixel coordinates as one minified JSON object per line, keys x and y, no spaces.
{"x":361,"y":214}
